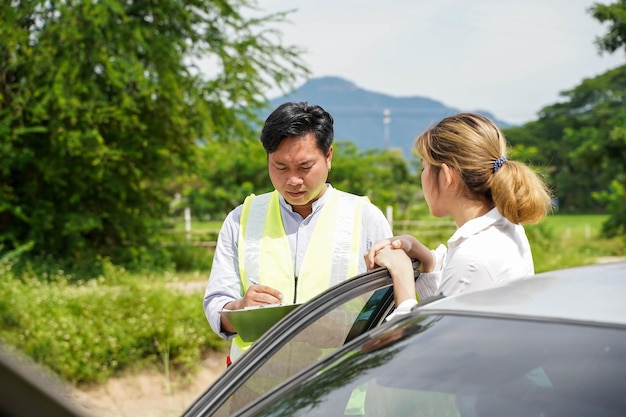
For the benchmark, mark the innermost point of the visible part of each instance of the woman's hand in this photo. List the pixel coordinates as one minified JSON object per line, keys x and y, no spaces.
{"x":370,"y":255}
{"x":409,"y":245}
{"x":401,"y":270}
{"x":404,"y":242}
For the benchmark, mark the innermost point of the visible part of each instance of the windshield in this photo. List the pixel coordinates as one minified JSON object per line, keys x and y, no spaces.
{"x":469,"y":367}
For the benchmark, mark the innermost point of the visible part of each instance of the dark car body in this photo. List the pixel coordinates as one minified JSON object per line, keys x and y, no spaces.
{"x":28,"y":390}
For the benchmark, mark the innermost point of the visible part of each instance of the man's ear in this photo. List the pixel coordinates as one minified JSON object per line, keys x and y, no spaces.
{"x":329,"y":157}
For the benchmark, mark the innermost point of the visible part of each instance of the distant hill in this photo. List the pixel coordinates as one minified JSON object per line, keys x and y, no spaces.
{"x":358,"y":113}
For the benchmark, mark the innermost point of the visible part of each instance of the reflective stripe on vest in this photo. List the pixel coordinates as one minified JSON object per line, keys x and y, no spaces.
{"x":332,"y":256}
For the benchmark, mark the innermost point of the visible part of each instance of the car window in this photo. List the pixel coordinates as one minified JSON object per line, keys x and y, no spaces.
{"x":305,"y":336}
{"x":455,"y":366}
{"x":313,"y":342}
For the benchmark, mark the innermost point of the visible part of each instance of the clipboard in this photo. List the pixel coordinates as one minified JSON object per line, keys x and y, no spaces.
{"x":251,"y":322}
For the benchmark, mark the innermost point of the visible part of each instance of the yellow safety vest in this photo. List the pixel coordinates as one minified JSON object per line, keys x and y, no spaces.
{"x":265,"y":256}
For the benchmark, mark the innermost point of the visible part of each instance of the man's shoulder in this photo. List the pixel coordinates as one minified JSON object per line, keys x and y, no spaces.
{"x":346,"y":194}
{"x":234,"y":215}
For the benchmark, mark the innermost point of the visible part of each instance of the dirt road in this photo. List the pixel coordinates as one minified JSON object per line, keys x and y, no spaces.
{"x":148,"y":394}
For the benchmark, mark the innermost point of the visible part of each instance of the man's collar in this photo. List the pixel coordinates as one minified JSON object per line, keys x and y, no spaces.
{"x":316,"y":204}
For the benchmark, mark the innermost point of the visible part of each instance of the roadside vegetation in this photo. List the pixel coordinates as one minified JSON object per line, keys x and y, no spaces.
{"x":88,"y":330}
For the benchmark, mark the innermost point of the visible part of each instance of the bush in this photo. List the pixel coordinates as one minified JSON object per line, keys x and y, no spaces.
{"x":95,"y":329}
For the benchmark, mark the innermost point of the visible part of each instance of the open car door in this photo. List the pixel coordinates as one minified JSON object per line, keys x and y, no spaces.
{"x":305,"y":336}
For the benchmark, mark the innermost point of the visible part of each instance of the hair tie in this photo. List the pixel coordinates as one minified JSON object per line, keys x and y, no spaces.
{"x":498,"y":164}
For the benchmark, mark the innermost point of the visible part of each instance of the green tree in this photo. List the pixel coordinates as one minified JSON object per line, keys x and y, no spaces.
{"x":579,"y":141}
{"x":572,"y":180}
{"x":610,"y":151}
{"x":614,"y":15}
{"x":226,"y":175}
{"x":600,"y":142}
{"x":382,"y":175}
{"x":102,"y":103}
{"x":582,"y":139}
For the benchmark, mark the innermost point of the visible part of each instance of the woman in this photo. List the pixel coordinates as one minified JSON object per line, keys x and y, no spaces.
{"x":466,"y":175}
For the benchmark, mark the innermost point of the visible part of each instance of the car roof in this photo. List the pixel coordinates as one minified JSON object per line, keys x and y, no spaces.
{"x":593,"y":294}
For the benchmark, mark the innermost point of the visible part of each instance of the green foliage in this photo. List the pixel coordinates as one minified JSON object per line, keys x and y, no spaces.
{"x":562,"y":241}
{"x":92,"y":331}
{"x":615,"y":200}
{"x":582,"y":144}
{"x":101,"y":104}
{"x":192,"y":257}
{"x":87,"y":330}
{"x":384,"y":176}
{"x":582,"y":140}
{"x":225,"y":176}
{"x":614,"y":17}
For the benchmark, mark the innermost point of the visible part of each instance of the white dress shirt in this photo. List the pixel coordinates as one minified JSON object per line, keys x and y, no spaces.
{"x":224,"y":283}
{"x":484,"y":251}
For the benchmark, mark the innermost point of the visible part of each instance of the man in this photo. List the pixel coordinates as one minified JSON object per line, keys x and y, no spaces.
{"x":291,"y":244}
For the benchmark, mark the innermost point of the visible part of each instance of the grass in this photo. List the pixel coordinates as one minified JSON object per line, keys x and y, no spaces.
{"x":558,"y":241}
{"x":568,"y":240}
{"x":576,"y":226}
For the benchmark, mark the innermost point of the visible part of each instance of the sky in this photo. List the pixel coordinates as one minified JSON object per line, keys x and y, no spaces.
{"x":508,"y":57}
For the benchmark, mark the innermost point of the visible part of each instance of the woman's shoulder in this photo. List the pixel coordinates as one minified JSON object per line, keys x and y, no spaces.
{"x":487,"y":248}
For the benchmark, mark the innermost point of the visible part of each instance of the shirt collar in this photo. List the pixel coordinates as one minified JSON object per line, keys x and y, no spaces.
{"x":475,"y":226}
{"x":317,"y":204}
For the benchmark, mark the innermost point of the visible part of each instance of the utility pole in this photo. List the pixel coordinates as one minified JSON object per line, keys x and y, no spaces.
{"x":386,"y":121}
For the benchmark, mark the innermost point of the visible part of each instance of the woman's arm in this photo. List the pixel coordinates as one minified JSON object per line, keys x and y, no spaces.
{"x":401,"y":269}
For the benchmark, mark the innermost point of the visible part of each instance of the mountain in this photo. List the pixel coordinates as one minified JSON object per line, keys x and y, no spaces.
{"x":358,"y":113}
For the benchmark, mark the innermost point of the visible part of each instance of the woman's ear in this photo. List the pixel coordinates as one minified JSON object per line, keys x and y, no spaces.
{"x":446,"y":176}
{"x":451,"y":179}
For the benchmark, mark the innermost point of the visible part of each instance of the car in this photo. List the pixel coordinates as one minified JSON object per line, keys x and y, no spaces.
{"x":30,"y":390}
{"x":549,"y":345}
{"x":306,"y":335}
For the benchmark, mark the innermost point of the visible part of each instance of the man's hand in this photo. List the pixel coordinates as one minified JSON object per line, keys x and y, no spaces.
{"x":256,"y":295}
{"x":260,"y":294}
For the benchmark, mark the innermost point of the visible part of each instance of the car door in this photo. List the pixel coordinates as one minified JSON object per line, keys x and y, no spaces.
{"x":306,"y":335}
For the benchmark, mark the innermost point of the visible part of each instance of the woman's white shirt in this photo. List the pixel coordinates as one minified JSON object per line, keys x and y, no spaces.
{"x":486,"y":250}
